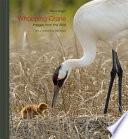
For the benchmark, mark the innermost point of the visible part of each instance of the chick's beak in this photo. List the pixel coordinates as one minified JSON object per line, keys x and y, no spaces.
{"x":56,"y":91}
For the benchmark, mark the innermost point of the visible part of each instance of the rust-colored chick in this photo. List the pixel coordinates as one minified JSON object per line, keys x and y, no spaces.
{"x":31,"y":111}
{"x":42,"y":107}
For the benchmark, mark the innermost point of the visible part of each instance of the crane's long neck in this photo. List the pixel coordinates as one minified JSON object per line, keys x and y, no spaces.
{"x":89,"y":48}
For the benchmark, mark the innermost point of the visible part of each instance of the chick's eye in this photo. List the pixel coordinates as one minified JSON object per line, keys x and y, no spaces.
{"x":41,"y":107}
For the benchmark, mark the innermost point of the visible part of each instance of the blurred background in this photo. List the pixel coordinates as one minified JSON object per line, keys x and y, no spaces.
{"x":39,"y":8}
{"x":36,"y":8}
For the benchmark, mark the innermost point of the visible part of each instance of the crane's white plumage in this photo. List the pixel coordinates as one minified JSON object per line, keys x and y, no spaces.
{"x":105,"y":20}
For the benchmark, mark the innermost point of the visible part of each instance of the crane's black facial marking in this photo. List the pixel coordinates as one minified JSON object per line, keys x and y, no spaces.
{"x":56,"y":80}
{"x":55,"y":75}
{"x":57,"y":83}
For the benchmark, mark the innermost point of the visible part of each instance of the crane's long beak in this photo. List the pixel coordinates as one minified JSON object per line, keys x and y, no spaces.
{"x":56,"y":91}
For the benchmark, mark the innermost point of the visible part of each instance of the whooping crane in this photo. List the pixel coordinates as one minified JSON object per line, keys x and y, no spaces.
{"x":105,"y":20}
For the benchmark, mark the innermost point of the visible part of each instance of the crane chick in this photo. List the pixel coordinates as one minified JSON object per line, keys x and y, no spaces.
{"x":31,"y":111}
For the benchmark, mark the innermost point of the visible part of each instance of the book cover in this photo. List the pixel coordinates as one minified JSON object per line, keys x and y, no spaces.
{"x":52,"y":96}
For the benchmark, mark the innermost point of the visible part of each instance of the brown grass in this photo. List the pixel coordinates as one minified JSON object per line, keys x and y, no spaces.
{"x":80,"y":105}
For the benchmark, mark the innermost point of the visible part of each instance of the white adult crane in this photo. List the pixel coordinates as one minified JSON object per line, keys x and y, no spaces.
{"x":105,"y":20}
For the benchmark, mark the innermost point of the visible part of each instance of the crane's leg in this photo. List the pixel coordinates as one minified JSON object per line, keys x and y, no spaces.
{"x":113,"y":74}
{"x":119,"y":73}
